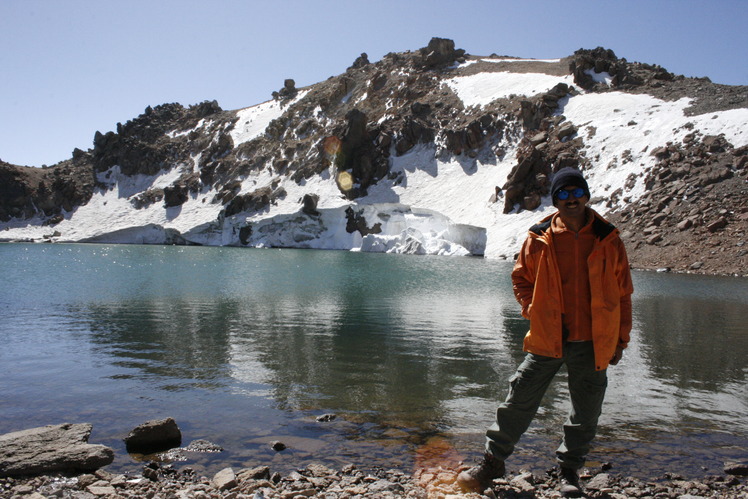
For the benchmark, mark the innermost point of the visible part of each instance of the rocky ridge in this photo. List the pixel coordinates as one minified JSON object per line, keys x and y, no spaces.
{"x":357,"y":121}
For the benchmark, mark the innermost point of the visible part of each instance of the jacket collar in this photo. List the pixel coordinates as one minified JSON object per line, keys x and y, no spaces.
{"x":600,"y":227}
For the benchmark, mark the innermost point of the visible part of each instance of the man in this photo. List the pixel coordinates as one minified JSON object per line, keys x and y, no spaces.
{"x":573,"y":281}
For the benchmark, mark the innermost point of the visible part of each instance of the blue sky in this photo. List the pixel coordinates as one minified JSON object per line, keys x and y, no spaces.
{"x":70,"y":68}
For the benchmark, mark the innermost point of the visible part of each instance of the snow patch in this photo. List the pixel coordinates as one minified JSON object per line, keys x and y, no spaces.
{"x":603,"y":77}
{"x":483,"y":88}
{"x":253,"y":121}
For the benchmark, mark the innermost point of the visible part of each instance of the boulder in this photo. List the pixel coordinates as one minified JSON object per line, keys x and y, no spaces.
{"x":289,"y":90}
{"x":46,"y":449}
{"x":601,"y":481}
{"x":310,"y":204}
{"x":360,"y":62}
{"x":154,"y":436}
{"x":440,"y":52}
{"x":225,"y":479}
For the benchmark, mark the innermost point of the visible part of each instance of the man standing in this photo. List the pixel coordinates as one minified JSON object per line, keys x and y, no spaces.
{"x":573,"y":281}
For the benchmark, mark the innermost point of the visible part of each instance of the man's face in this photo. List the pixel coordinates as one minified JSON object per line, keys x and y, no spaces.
{"x":572,"y":206}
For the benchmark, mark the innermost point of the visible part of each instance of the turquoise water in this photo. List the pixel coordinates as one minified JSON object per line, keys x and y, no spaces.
{"x":243,"y":347}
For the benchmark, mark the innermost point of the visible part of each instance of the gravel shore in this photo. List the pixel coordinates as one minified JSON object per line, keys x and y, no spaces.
{"x":156,"y":481}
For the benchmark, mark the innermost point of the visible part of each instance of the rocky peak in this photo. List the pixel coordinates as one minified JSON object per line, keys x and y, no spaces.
{"x":439,"y":52}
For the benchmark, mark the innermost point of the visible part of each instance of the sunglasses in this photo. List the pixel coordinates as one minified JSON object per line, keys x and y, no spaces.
{"x":563,"y":194}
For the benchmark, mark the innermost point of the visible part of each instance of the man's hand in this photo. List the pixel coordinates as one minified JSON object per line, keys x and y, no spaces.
{"x":617,"y":356}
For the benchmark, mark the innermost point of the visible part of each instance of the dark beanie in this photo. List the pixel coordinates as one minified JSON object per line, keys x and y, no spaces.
{"x":568,"y":176}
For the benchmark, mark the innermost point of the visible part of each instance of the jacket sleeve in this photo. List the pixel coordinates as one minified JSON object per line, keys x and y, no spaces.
{"x":625,"y":284}
{"x":523,"y":278}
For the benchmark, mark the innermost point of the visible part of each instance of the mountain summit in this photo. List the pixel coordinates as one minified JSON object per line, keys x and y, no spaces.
{"x":433,"y":151}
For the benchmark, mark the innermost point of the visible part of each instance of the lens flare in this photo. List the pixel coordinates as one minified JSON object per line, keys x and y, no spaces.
{"x":331,"y":145}
{"x":345,"y":181}
{"x":436,"y":468}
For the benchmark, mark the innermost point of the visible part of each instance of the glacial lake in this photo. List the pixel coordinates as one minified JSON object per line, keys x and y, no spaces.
{"x":411,"y":354}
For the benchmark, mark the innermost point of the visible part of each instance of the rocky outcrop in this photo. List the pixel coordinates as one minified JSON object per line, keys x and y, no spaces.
{"x":695,"y":212}
{"x":541,"y":153}
{"x":359,"y":157}
{"x":360,"y":62}
{"x":288,"y":91}
{"x":47,"y":449}
{"x":622,"y":74}
{"x":253,"y":201}
{"x":439,"y":52}
{"x":147,"y":144}
{"x":533,"y":112}
{"x":27,"y":192}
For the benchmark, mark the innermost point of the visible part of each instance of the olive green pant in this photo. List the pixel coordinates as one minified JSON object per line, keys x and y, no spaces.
{"x":527,"y":387}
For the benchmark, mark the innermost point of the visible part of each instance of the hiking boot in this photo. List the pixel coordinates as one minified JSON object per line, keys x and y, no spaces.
{"x":479,"y":478}
{"x":569,"y":483}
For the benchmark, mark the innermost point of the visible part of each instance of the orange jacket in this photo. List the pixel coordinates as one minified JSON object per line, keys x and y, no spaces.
{"x":537,"y":287}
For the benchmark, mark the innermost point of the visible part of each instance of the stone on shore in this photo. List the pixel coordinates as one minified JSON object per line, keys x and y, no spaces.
{"x":154,"y":436}
{"x":52,"y":448}
{"x":737,"y":468}
{"x":225,"y":479}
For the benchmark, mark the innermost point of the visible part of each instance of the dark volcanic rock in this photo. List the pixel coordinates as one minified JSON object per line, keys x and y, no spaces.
{"x":154,"y":436}
{"x":26,"y":192}
{"x":440,"y":52}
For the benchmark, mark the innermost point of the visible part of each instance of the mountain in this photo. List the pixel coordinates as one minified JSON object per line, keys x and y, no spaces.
{"x":433,"y":151}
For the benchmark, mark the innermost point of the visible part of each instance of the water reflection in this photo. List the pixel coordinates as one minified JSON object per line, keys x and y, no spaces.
{"x":699,"y":334}
{"x":241,"y":345}
{"x":176,"y":343}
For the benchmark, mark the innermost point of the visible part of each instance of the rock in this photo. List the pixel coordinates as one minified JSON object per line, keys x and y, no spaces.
{"x":735,"y":468}
{"x":720,"y":223}
{"x":685,"y":224}
{"x":383,"y":486}
{"x":531,"y":201}
{"x":225,"y":479}
{"x":599,"y":482}
{"x":654,"y":238}
{"x":288,"y":91}
{"x":659,"y":218}
{"x":696,"y":265}
{"x":51,"y":448}
{"x":310,"y":204}
{"x":566,"y":130}
{"x":326,"y":418}
{"x":360,"y":62}
{"x":440,"y":52}
{"x":258,"y":473}
{"x":523,"y":482}
{"x":277,"y":445}
{"x":154,"y":436}
{"x":102,"y":490}
{"x":538,"y":138}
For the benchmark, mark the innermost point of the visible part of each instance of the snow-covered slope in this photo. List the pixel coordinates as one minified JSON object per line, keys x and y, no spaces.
{"x":431,"y":202}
